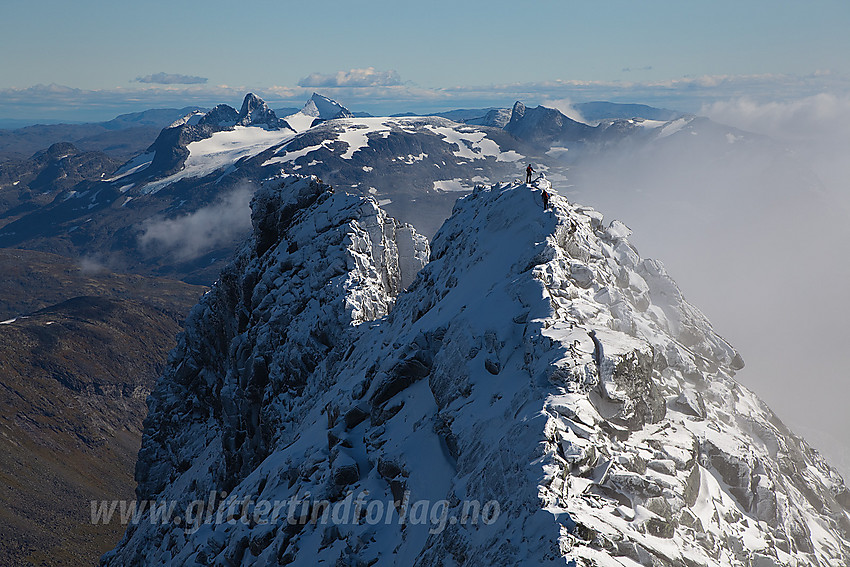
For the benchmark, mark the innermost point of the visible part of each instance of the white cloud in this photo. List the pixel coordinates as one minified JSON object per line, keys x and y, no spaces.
{"x":816,"y":128}
{"x":367,"y":77}
{"x":194,"y":234}
{"x":809,"y":118}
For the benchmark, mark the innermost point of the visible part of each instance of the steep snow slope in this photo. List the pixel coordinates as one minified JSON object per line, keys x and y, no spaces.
{"x":483,"y":391}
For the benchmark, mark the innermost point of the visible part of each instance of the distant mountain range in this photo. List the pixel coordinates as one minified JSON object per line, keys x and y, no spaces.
{"x":130,"y":133}
{"x":120,"y":137}
{"x":416,"y":166}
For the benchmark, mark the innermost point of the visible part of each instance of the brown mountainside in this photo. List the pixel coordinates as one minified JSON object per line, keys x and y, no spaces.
{"x":74,"y":375}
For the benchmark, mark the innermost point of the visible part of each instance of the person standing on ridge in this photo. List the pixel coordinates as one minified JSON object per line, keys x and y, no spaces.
{"x":528,"y":171}
{"x":545,"y":200}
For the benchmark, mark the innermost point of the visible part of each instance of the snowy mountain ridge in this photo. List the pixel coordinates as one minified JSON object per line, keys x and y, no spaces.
{"x":310,"y":374}
{"x":200,"y":144}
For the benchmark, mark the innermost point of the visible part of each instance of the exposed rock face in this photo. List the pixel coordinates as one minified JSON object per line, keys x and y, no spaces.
{"x":318,"y":264}
{"x":480,"y":386}
{"x":255,"y":112}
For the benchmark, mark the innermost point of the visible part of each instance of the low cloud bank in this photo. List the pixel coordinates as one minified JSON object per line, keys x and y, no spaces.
{"x":816,"y":128}
{"x":811,"y":118}
{"x":368,"y":77}
{"x":171,"y":79}
{"x":189,"y":236}
{"x":755,"y":231}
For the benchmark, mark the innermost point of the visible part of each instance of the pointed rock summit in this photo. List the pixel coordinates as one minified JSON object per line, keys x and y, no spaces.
{"x":517,"y":112}
{"x":170,"y":148}
{"x":318,"y":109}
{"x":544,"y":126}
{"x":325,"y":108}
{"x":255,"y":112}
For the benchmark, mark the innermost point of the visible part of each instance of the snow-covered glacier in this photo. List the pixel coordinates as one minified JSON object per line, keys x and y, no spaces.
{"x":526,"y":391}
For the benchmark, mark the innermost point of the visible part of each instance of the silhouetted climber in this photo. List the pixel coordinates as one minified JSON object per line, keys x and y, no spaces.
{"x":545,"y":200}
{"x":597,"y":350}
{"x":528,"y":171}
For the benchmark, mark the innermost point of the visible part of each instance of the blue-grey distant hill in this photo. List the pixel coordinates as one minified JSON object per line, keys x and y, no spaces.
{"x":601,"y":110}
{"x":121,"y":137}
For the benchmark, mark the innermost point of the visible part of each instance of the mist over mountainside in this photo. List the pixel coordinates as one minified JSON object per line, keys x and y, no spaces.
{"x":601,"y":110}
{"x":540,"y":367}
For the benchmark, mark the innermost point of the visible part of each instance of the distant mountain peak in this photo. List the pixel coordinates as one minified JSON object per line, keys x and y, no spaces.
{"x":222,"y":115}
{"x":252,"y":101}
{"x":252,"y":106}
{"x":58,"y":151}
{"x":320,"y":106}
{"x":518,"y":110}
{"x":542,"y":125}
{"x":318,"y":109}
{"x":255,"y":112}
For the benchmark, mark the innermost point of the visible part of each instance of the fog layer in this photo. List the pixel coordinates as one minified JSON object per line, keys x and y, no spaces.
{"x":754,"y":230}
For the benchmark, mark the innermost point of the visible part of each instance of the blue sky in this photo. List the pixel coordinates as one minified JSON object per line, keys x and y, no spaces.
{"x":94,"y":58}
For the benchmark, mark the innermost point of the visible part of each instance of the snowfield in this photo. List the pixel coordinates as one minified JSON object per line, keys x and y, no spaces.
{"x":222,"y":149}
{"x":473,"y":144}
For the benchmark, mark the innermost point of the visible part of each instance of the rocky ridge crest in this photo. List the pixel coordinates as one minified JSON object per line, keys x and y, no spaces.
{"x":483,"y":383}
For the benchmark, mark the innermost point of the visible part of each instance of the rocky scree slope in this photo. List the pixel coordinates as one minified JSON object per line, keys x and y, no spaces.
{"x":482,"y":383}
